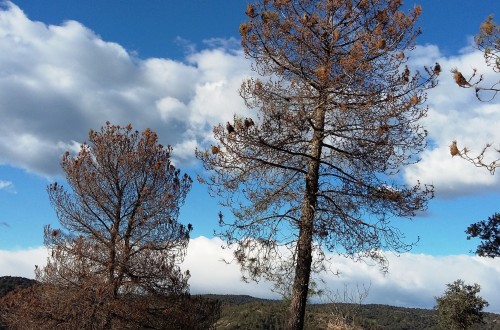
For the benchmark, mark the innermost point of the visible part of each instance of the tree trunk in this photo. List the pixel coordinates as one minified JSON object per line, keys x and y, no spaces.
{"x":302,"y":271}
{"x":300,"y":287}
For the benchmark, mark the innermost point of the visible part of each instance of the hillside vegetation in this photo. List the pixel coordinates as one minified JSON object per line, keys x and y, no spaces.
{"x":245,"y":312}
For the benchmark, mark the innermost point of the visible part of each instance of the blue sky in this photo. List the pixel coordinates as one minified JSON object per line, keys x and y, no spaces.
{"x":67,"y":66}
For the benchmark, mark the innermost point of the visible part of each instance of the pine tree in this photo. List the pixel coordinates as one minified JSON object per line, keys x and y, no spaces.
{"x":337,"y":115}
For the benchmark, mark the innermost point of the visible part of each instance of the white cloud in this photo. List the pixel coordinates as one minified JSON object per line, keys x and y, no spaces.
{"x":456,"y":114}
{"x":57,"y":82}
{"x":210,"y":274}
{"x":22,"y":262}
{"x":413,"y":279}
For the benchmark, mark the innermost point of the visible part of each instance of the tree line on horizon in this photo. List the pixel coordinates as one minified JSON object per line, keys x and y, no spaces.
{"x":345,"y":310}
{"x":337,"y":114}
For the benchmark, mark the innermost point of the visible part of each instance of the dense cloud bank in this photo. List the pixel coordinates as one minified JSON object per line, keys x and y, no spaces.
{"x":413,"y":279}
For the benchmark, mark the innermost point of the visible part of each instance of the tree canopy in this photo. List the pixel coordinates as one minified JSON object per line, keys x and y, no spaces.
{"x":460,"y":307}
{"x":114,"y":261}
{"x":489,"y":233}
{"x":336,"y":116}
{"x":119,"y":220}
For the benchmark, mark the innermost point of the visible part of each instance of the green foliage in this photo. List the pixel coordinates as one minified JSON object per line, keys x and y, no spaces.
{"x":489,"y":232}
{"x":244,"y":312}
{"x":460,"y":307}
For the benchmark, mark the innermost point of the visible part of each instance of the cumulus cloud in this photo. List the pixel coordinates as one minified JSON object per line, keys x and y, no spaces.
{"x":59,"y":81}
{"x":456,"y":114}
{"x":413,"y":279}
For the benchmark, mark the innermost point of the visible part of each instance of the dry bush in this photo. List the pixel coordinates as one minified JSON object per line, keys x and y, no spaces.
{"x":47,"y":307}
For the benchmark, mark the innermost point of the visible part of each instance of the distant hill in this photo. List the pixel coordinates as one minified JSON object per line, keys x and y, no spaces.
{"x":246,"y":312}
{"x":9,"y":283}
{"x":232,"y":299}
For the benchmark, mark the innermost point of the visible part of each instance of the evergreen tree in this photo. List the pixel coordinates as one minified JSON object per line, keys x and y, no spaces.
{"x":337,"y":116}
{"x":460,"y":307}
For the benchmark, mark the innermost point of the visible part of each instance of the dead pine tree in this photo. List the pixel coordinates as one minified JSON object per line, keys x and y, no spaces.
{"x":337,"y":116}
{"x":114,"y":259}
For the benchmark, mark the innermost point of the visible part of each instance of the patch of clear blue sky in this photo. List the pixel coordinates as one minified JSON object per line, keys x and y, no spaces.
{"x":24,"y":211}
{"x":152,"y":28}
